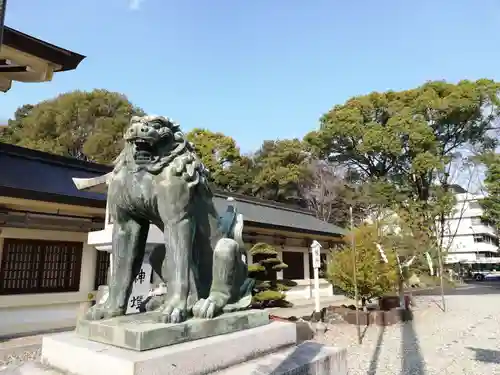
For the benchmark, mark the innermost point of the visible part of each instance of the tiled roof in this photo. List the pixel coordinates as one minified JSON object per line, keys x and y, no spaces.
{"x":41,"y":173}
{"x":263,"y":212}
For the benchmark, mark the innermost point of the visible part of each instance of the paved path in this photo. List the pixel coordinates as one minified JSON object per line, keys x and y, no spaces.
{"x":463,"y":340}
{"x":471,"y":288}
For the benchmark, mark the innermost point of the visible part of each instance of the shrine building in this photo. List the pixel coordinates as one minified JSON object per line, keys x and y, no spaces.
{"x":49,"y":273}
{"x":27,"y":252}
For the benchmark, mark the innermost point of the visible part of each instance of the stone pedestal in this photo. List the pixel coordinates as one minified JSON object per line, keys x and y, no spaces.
{"x":145,"y":331}
{"x":70,"y":353}
{"x":239,"y":343}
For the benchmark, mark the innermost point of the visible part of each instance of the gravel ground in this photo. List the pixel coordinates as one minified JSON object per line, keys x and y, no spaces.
{"x":463,"y":340}
{"x":19,"y":350}
{"x":21,"y":357}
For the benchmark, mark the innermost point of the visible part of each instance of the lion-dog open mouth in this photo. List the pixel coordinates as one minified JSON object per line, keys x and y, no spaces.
{"x":144,"y":150}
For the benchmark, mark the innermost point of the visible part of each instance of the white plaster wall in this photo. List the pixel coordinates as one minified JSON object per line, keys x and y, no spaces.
{"x":15,"y":321}
{"x":26,"y":313}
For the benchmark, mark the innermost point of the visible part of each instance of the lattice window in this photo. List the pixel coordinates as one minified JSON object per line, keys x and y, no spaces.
{"x":32,"y":266}
{"x":101,"y":269}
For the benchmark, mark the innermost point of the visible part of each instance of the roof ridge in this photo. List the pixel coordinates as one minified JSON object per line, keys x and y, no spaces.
{"x":263,"y":202}
{"x":49,"y":158}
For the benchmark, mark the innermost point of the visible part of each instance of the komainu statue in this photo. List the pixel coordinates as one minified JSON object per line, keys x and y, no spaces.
{"x":159,"y":179}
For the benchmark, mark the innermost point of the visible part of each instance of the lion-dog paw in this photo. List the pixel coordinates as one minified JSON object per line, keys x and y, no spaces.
{"x":174,"y":310}
{"x":206,"y":308}
{"x":99,"y":312}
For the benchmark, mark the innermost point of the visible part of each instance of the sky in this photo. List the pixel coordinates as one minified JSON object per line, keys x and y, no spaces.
{"x":256,"y":69}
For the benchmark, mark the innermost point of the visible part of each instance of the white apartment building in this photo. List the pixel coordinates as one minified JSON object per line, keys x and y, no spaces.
{"x":467,"y":236}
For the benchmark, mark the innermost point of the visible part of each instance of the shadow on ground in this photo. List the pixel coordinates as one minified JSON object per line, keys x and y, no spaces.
{"x":304,"y":353}
{"x":372,"y":370}
{"x":412,"y":360}
{"x":486,"y":355}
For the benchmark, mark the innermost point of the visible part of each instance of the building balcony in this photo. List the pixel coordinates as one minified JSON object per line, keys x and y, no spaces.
{"x":483,"y":229}
{"x":478,"y":247}
{"x":482,"y":247}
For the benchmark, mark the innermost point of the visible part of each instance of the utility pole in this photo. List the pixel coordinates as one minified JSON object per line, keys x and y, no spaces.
{"x":3,"y":7}
{"x":354,"y":278}
{"x":443,"y":300}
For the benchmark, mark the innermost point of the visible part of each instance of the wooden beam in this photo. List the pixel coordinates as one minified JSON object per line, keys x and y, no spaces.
{"x":290,"y":234}
{"x":5,"y":68}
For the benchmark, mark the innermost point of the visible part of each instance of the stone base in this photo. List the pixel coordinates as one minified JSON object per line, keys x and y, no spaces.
{"x":69,"y":353}
{"x":144,"y":331}
{"x":309,"y":358}
{"x":376,"y":317}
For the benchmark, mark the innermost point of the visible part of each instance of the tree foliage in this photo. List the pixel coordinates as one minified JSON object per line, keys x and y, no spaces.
{"x":374,"y":277}
{"x":229,"y":170}
{"x":11,"y":133}
{"x":280,"y":167}
{"x":84,"y":125}
{"x":402,"y":143}
{"x":389,"y":150}
{"x":408,"y":135}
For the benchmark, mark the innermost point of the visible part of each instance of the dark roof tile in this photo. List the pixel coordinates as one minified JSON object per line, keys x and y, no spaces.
{"x":40,"y":172}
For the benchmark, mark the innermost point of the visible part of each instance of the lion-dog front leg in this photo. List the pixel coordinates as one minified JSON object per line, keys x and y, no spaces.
{"x":129,"y":242}
{"x":174,"y":198}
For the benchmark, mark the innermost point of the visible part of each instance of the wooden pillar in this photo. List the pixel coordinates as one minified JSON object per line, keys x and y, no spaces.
{"x":1,"y":246}
{"x":307,"y":276}
{"x":87,"y":278}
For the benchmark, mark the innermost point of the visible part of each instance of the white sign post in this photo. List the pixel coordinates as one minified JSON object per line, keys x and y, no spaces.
{"x":316,"y":260}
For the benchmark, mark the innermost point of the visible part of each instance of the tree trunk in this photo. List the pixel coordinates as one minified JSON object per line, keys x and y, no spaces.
{"x":401,"y":288}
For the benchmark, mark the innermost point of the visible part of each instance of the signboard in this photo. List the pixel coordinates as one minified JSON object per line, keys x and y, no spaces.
{"x":140,"y":290}
{"x":316,"y":254}
{"x":316,"y":260}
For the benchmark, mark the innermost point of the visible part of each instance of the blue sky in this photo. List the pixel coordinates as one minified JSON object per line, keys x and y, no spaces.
{"x":257,"y":69}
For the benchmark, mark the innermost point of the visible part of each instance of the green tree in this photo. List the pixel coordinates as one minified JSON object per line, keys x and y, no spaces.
{"x":10,"y":133}
{"x":281,"y":166}
{"x":491,"y":203}
{"x":374,"y":277}
{"x":408,"y":135}
{"x":403,"y":143}
{"x":241,"y":174}
{"x":219,"y":153}
{"x":268,"y":292}
{"x":84,"y":125}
